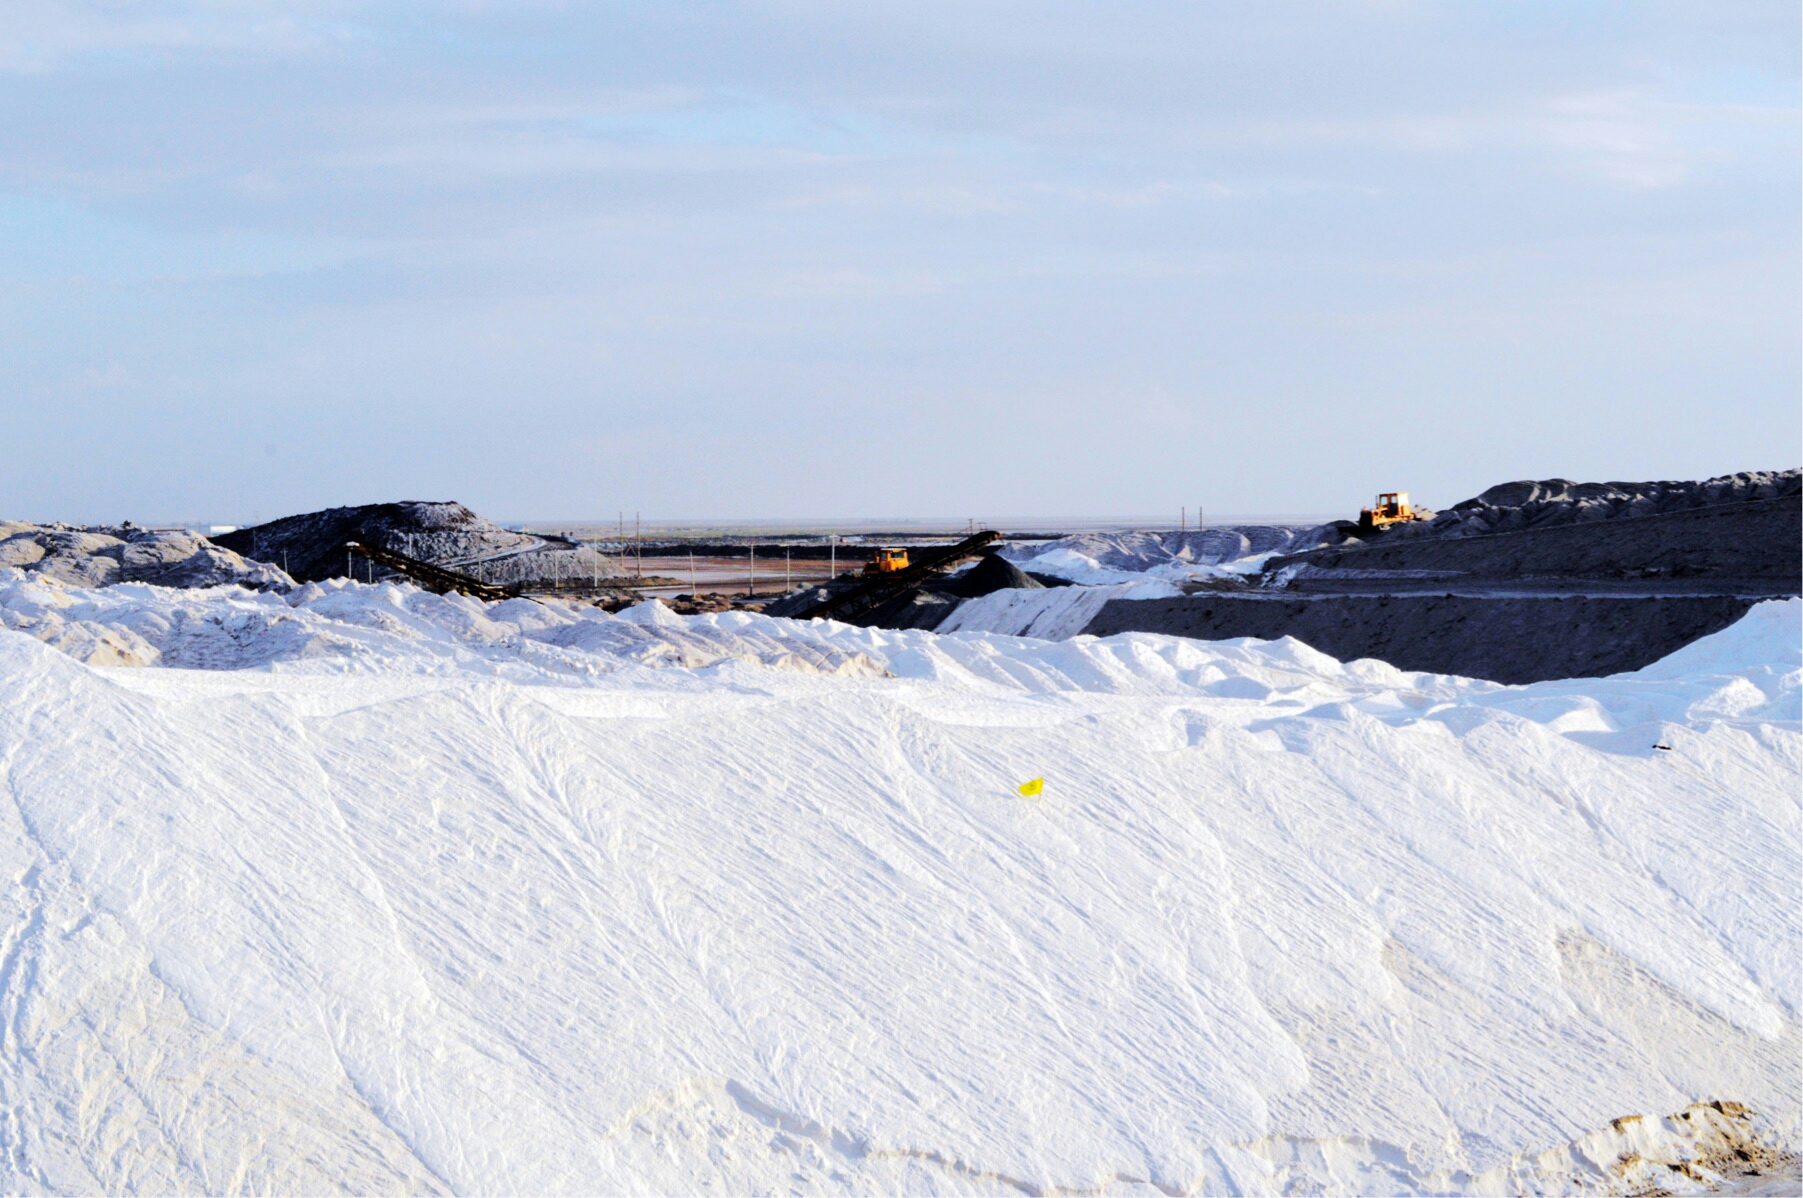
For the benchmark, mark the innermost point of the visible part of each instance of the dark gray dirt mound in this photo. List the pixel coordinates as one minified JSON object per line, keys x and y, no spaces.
{"x":313,"y":543}
{"x":1513,"y":640}
{"x":1508,"y":507}
{"x":919,"y":608}
{"x":926,"y":604}
{"x":311,"y":546}
{"x":1757,"y":540}
{"x":801,"y":600}
{"x":993,"y":573}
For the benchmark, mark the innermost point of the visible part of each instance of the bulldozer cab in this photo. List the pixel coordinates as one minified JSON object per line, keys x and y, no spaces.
{"x":887,"y":561}
{"x":1392,"y":507}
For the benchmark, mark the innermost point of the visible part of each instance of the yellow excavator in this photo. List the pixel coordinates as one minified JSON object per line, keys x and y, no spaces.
{"x":1392,"y":507}
{"x":887,"y":561}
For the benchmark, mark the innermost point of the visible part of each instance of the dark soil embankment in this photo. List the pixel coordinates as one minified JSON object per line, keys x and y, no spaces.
{"x":1513,"y":640}
{"x":926,"y":605}
{"x":920,"y":608}
{"x":993,"y":573}
{"x":313,"y":543}
{"x":1758,"y":542}
{"x":311,"y":546}
{"x":1539,"y":503}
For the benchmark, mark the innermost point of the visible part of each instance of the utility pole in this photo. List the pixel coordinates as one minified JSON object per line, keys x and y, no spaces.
{"x":788,"y":570}
{"x":694,"y":590}
{"x":1182,"y":519}
{"x":751,"y":571}
{"x":638,"y":546}
{"x":832,"y":556}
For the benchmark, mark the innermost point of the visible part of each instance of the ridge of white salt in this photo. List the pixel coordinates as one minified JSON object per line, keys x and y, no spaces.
{"x":404,"y":891}
{"x":1052,"y":614}
{"x":1103,"y":558}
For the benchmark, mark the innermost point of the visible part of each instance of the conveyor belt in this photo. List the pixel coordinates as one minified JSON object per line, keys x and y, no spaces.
{"x":430,"y":577}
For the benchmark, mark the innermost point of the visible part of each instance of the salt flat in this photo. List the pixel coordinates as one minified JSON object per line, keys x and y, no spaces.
{"x":367,"y":888}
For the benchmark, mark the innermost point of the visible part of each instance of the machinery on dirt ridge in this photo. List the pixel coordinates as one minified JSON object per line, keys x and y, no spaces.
{"x":1392,"y":507}
{"x":886,"y":561}
{"x":878,"y":589}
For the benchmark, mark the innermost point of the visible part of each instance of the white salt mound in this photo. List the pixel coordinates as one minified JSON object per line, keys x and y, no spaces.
{"x":99,"y":555}
{"x":1103,"y":558}
{"x":401,"y":891}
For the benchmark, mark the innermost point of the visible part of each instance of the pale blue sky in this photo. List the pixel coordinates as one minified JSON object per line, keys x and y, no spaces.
{"x":792,"y":259}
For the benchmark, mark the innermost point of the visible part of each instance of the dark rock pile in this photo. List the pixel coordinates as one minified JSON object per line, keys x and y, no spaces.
{"x":311,"y":547}
{"x":798,"y":601}
{"x":1737,"y":532}
{"x":924,"y":606}
{"x":1509,"y":507}
{"x":993,"y":573}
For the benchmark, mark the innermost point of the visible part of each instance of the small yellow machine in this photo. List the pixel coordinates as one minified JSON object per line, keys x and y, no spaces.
{"x":1392,"y":507}
{"x":887,"y":561}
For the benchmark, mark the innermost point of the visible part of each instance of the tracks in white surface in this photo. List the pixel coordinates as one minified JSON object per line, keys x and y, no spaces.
{"x":427,"y":894}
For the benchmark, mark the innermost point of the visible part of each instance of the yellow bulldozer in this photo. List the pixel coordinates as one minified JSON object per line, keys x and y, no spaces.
{"x":887,"y":561}
{"x":1392,"y":507}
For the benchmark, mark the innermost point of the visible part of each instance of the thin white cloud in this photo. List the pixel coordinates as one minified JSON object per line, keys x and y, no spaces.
{"x":803,"y":218}
{"x":39,"y":36}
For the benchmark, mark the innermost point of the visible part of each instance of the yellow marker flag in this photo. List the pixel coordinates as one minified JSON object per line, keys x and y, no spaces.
{"x":1033,"y":788}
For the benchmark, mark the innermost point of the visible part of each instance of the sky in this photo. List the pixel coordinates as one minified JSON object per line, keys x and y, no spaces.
{"x":973,"y":260}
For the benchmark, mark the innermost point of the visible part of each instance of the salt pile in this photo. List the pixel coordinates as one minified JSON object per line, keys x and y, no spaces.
{"x":98,"y":555}
{"x":1048,"y":613}
{"x":1100,"y":558}
{"x":407,"y":891}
